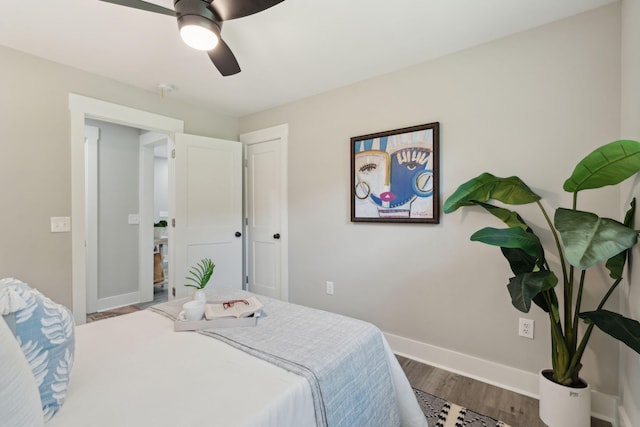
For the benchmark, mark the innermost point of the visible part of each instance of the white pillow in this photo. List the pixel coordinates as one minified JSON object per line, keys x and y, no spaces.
{"x":46,"y":335}
{"x":19,"y":396}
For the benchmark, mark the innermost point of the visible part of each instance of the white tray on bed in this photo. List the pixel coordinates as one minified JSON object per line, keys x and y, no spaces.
{"x":195,"y":325}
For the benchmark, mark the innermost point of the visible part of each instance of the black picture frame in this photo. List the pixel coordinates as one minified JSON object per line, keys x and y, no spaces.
{"x":395,"y":176}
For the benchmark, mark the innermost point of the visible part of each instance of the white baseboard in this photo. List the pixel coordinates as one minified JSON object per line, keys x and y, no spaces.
{"x":603,"y":406}
{"x":118,"y":301}
{"x":623,"y":418}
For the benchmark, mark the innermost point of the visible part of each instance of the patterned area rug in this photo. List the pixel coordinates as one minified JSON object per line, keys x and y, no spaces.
{"x":441,"y":413}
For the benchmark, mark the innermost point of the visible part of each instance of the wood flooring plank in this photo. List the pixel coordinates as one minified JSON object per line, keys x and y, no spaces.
{"x":512,"y":408}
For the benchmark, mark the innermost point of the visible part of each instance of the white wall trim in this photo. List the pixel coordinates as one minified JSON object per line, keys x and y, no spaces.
{"x":623,"y":417}
{"x":82,"y":107}
{"x":122,"y":115}
{"x":92,"y":136}
{"x":146,"y":186}
{"x":116,"y":301}
{"x":603,"y":406}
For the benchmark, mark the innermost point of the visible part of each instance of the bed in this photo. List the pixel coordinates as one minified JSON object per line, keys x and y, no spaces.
{"x":135,"y":370}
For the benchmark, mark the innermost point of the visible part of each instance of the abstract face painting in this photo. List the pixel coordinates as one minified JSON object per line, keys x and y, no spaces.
{"x":395,"y":175}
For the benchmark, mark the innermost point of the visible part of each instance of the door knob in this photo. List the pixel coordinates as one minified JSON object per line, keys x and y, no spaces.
{"x":238,"y":234}
{"x":276,"y":236}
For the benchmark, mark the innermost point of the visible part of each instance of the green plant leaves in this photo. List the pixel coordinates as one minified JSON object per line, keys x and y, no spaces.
{"x":514,"y":237}
{"x":615,"y":265}
{"x":200,"y":274}
{"x":608,"y":165}
{"x":519,"y":261}
{"x":589,"y":239}
{"x":620,"y":327}
{"x":525,"y":287}
{"x":551,"y":307}
{"x":485,"y":187}
{"x":511,"y":218}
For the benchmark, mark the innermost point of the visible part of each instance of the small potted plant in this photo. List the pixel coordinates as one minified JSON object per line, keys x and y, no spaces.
{"x":582,"y":240}
{"x":159,"y":228}
{"x":199,"y":276}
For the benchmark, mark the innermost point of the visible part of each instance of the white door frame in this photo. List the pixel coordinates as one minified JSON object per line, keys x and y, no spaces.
{"x":146,"y":185}
{"x":145,"y":210}
{"x":92,"y":136}
{"x":281,"y":133}
{"x":81,"y":108}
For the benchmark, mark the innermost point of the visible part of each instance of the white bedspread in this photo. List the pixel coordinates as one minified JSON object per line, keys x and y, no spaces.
{"x":134,"y":370}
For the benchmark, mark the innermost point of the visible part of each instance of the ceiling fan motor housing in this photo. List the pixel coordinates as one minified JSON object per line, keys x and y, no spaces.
{"x":197,"y":12}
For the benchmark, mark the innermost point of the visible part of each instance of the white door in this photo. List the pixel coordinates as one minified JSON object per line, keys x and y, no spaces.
{"x":205,"y":199}
{"x":266,"y":212}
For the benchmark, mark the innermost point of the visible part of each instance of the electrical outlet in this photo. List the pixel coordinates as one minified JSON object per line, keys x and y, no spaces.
{"x":526,"y":328}
{"x":60,"y":224}
{"x":329,"y":288}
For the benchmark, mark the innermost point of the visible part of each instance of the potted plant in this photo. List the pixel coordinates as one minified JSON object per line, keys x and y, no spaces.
{"x":582,"y":240}
{"x":159,"y":228}
{"x":199,"y":276}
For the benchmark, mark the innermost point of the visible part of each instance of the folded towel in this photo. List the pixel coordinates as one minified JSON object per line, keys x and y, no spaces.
{"x":10,"y":300}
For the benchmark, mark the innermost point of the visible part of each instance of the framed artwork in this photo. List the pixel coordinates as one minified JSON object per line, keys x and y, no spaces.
{"x":394,"y":176}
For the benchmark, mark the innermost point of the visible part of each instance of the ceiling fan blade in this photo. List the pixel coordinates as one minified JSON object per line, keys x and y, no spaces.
{"x":224,"y":60}
{"x":232,"y":9}
{"x":143,"y":5}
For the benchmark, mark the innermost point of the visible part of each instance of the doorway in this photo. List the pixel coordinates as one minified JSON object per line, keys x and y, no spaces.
{"x":82,"y":108}
{"x":194,"y":159}
{"x":126,"y":178}
{"x":193,"y":205}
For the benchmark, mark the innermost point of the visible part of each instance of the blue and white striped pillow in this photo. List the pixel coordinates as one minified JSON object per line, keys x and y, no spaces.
{"x":45,"y":332}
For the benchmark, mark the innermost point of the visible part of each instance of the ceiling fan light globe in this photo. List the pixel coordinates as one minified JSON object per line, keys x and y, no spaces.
{"x":198,"y":37}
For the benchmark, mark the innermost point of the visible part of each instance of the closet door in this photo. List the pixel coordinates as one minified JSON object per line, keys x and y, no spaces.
{"x":206,"y":219}
{"x":266,"y":211}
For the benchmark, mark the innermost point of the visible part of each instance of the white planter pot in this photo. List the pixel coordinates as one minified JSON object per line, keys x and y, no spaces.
{"x":200,"y":295}
{"x":159,"y":232}
{"x":562,"y":406}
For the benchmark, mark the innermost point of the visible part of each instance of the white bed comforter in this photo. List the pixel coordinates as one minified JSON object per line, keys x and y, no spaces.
{"x":134,"y":370}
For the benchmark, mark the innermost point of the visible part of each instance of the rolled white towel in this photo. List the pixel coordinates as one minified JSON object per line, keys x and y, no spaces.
{"x":10,"y":300}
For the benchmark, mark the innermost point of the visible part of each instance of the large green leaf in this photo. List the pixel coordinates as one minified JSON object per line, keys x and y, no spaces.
{"x":525,"y":287}
{"x":608,"y":165}
{"x":511,"y":218}
{"x":620,"y":327}
{"x":615,"y":264}
{"x":589,"y":239}
{"x":542,"y":303}
{"x":514,"y":237}
{"x":520,"y":261}
{"x":486,"y":187}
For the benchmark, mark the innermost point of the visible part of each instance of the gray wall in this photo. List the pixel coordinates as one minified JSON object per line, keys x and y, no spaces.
{"x":532,"y":104}
{"x":630,"y":361}
{"x":118,"y":176}
{"x":35,"y":164}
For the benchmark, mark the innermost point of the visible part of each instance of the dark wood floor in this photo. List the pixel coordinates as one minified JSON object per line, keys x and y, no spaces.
{"x":512,"y":408}
{"x":160,"y":294}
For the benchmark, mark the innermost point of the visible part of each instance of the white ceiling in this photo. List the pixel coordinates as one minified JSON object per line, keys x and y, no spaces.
{"x":293,"y":50}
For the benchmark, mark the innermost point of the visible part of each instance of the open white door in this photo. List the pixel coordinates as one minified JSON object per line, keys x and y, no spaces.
{"x":205,"y":199}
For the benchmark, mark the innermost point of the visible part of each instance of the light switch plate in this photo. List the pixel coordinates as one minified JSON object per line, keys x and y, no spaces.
{"x":134,"y":219}
{"x":60,"y":224}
